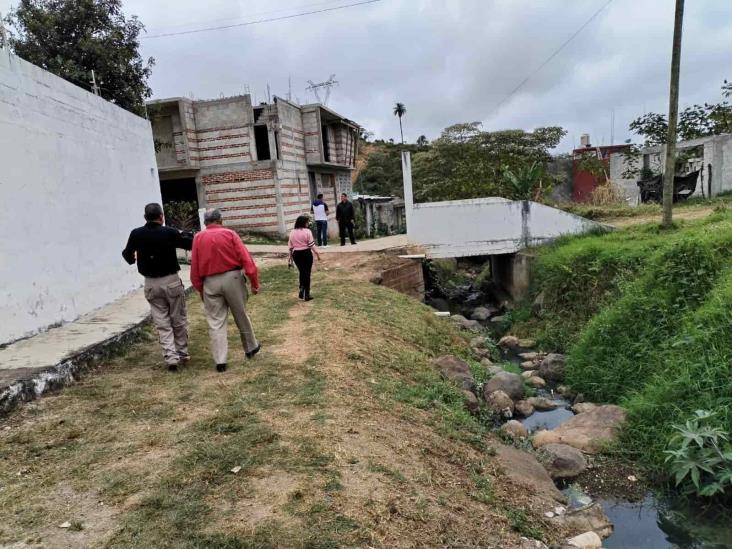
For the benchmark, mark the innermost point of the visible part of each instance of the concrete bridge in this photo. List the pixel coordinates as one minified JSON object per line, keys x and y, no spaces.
{"x":483,"y":226}
{"x":495,"y":227}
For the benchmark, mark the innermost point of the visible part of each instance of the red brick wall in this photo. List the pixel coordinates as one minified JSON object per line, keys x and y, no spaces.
{"x":247,"y":199}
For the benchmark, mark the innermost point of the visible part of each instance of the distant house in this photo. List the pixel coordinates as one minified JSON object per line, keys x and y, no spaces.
{"x":382,"y":215}
{"x":260,"y":165}
{"x":711,"y":156}
{"x":583,"y":180}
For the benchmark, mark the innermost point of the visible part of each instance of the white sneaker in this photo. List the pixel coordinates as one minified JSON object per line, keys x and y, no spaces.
{"x":326,"y":246}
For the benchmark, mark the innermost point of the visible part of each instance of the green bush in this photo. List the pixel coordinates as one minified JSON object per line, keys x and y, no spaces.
{"x":700,"y":456}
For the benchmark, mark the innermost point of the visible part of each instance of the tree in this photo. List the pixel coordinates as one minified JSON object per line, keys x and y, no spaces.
{"x":70,"y":38}
{"x":422,"y":141}
{"x":466,"y":162}
{"x":524,"y":183}
{"x":694,"y":121}
{"x":400,"y":110}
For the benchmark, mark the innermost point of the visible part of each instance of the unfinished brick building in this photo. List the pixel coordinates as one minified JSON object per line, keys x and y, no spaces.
{"x":260,"y":165}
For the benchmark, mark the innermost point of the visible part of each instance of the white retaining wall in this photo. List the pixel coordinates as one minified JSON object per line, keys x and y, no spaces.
{"x":483,"y":226}
{"x":75,"y":174}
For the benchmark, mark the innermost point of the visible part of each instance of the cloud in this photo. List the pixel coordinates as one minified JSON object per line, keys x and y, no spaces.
{"x":448,"y":62}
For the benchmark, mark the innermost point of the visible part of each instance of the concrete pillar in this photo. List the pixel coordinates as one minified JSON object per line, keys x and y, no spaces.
{"x":408,"y":191}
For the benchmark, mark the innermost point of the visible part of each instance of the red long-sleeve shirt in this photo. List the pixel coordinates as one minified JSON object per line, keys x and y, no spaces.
{"x":217,"y":250}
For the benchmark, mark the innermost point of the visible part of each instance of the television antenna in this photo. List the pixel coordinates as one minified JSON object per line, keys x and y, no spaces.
{"x":328,"y":85}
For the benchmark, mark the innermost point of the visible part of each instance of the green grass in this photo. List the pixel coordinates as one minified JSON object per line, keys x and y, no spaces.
{"x":644,"y":315}
{"x":617,"y":211}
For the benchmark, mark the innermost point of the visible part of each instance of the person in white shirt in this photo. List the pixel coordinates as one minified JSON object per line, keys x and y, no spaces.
{"x":320,"y":211}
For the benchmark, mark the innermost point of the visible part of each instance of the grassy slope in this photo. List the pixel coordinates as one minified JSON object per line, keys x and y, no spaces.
{"x":344,"y":434}
{"x":644,"y":315}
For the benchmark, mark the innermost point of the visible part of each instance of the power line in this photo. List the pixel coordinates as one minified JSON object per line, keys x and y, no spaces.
{"x":552,"y":56}
{"x":257,"y":22}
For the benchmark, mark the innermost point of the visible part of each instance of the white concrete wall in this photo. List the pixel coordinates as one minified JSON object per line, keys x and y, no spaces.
{"x":75,"y":174}
{"x":487,"y":226}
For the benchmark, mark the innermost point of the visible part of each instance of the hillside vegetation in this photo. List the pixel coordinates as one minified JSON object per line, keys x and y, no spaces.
{"x":644,"y":316}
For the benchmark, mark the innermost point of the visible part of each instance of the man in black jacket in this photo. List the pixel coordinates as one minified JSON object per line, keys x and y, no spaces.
{"x":153,"y":247}
{"x":345,"y":217}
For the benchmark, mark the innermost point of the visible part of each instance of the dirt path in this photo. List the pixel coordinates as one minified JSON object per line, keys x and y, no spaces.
{"x":685,"y":214}
{"x":338,"y":434}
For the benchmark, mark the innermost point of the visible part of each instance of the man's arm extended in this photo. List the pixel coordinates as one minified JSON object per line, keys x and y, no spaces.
{"x":129,"y":252}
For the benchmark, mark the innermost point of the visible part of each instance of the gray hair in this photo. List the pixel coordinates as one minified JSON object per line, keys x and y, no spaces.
{"x":212,"y":216}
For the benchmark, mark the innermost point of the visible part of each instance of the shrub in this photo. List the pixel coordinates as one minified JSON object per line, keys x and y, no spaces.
{"x":700,"y":456}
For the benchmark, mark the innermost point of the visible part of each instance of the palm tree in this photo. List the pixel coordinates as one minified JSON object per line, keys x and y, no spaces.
{"x":422,"y":141}
{"x":400,"y":110}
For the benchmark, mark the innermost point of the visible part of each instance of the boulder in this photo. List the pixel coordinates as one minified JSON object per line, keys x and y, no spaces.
{"x":526,"y":343}
{"x":477,"y":343}
{"x":482,"y":313}
{"x":588,"y":540}
{"x":508,"y":342}
{"x":587,"y":431}
{"x":581,"y":407}
{"x":515,"y":428}
{"x":455,"y":370}
{"x":523,"y":408}
{"x":493,"y":370}
{"x":590,"y":518}
{"x":552,"y":367}
{"x":528,"y":365}
{"x":471,"y":325}
{"x":527,"y":543}
{"x":562,"y":461}
{"x":565,"y":391}
{"x":471,"y":402}
{"x":529,"y":355}
{"x":526,"y":374}
{"x":501,"y":403}
{"x":498,"y":320}
{"x":523,"y":469}
{"x":457,"y":319}
{"x":536,"y":382}
{"x":486,"y":361}
{"x":543,"y":404}
{"x":511,"y":384}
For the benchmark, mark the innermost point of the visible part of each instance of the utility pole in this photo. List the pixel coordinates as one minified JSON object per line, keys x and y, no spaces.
{"x":673,"y":115}
{"x":93,"y":82}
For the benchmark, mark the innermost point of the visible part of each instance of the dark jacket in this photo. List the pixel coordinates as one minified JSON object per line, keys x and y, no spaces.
{"x":153,"y":247}
{"x":344,"y":212}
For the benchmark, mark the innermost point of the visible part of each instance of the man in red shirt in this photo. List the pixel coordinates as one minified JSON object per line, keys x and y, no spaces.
{"x":217,"y":260}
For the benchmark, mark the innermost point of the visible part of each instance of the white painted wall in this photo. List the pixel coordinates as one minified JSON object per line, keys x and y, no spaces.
{"x":75,"y":174}
{"x":483,"y":226}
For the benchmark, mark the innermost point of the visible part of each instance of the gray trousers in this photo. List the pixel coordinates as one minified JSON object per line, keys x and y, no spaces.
{"x":222,"y":292}
{"x":166,"y":296}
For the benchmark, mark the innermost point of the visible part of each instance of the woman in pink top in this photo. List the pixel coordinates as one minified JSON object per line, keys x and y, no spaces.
{"x":302,"y":247}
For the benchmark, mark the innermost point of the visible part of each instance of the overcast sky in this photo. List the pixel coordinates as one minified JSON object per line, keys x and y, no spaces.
{"x":448,"y":61}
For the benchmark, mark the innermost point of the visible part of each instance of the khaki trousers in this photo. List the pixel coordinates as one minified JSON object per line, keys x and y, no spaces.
{"x":166,"y":296}
{"x":222,"y":292}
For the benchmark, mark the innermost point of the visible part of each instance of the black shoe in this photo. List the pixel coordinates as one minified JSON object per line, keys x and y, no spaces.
{"x":253,"y":352}
{"x":172,"y":367}
{"x":301,"y":294}
{"x":221,"y":367}
{"x":308,"y":298}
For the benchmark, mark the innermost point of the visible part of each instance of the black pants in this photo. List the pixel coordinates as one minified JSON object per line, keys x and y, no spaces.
{"x":304,"y":261}
{"x":344,"y":226}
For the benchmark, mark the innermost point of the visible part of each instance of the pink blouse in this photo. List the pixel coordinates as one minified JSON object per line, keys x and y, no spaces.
{"x":301,"y":239}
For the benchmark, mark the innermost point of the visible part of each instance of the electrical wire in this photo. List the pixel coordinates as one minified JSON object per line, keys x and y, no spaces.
{"x":548,"y":59}
{"x":257,"y":22}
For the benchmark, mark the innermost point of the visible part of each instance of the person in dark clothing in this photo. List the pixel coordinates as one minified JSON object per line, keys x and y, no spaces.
{"x":345,"y":216}
{"x":302,"y":248}
{"x":153,"y":247}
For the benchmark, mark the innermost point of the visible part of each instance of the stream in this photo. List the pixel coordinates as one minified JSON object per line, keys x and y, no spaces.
{"x":654,"y":522}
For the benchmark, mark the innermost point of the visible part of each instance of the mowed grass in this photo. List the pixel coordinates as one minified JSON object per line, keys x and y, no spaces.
{"x":338,"y":434}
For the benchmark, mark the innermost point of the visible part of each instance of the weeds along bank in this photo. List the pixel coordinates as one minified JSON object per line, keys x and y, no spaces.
{"x":644,"y":316}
